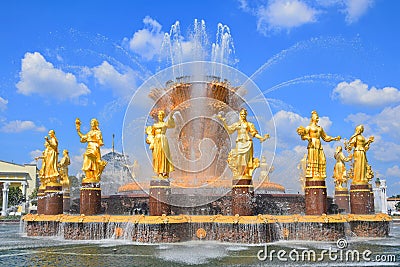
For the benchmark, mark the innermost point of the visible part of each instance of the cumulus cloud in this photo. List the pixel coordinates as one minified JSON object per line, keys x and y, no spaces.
{"x":275,"y":15}
{"x":393,"y":171}
{"x":37,"y":76}
{"x":386,"y":129}
{"x":34,"y":154}
{"x":385,"y":151}
{"x":122,"y":84}
{"x":354,"y":9}
{"x":278,"y":15}
{"x":3,"y":104}
{"x":287,"y":167}
{"x":359,"y":93}
{"x":18,"y":126}
{"x":147,"y":41}
{"x":286,"y":123}
{"x":385,"y":122}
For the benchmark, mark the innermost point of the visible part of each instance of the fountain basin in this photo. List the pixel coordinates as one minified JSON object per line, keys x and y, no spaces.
{"x":234,"y":229}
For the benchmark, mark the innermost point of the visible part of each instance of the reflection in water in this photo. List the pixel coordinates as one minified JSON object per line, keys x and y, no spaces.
{"x":19,"y":250}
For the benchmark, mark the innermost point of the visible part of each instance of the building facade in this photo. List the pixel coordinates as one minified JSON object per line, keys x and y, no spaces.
{"x":15,"y":175}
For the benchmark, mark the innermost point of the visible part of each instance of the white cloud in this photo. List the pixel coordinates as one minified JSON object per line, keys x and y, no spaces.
{"x":279,"y":15}
{"x":286,"y":123}
{"x":385,"y":151}
{"x":358,"y":93}
{"x":287,"y":167}
{"x":18,"y":126}
{"x":393,"y":171}
{"x":385,"y":122}
{"x":358,"y":118}
{"x":3,"y":104}
{"x":121,"y":84}
{"x":147,"y":41}
{"x":37,"y":76}
{"x":354,"y":9}
{"x":275,"y":15}
{"x":388,"y":121}
{"x":34,"y":154}
{"x":385,"y":126}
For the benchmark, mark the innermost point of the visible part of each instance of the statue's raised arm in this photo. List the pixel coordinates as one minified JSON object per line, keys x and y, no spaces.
{"x":93,"y":165}
{"x":240,"y":158}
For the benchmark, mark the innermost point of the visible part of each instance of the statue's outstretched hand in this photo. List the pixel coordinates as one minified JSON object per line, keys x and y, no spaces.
{"x":221,"y":118}
{"x":265,"y":137}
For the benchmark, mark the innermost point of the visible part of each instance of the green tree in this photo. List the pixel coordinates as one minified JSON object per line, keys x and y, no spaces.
{"x":15,"y":196}
{"x":33,"y":197}
{"x":397,"y":206}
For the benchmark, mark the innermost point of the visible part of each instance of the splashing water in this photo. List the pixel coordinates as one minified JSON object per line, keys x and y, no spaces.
{"x":175,"y":50}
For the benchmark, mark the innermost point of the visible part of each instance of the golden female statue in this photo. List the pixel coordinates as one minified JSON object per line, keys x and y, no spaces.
{"x":157,"y":139}
{"x":339,"y":170}
{"x":42,"y":171}
{"x":93,"y":166}
{"x":63,"y":166}
{"x":240,"y":159}
{"x":302,"y":166}
{"x":316,"y":161}
{"x":51,"y":158}
{"x":360,"y":145}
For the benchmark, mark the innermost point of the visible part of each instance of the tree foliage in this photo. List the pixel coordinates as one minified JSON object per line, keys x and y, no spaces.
{"x":15,"y":196}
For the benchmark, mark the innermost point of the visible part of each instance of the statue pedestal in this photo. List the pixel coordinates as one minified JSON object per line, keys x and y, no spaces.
{"x":90,"y":202}
{"x":342,"y":199}
{"x":160,"y":192}
{"x":66,"y":201}
{"x":360,"y":199}
{"x":54,"y":199}
{"x":315,"y":197}
{"x":41,"y":202}
{"x":242,"y":196}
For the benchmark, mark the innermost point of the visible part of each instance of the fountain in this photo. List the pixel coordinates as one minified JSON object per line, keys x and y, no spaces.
{"x":200,"y":102}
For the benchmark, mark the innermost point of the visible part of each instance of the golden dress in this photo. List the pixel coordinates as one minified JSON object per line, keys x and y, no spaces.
{"x":162,"y":163}
{"x":360,"y":159}
{"x":316,"y":161}
{"x":51,"y":158}
{"x":339,"y":170}
{"x":92,"y":157}
{"x":242,"y":154}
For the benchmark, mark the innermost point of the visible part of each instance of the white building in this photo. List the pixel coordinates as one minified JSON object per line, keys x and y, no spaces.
{"x":380,"y":197}
{"x":15,"y":175}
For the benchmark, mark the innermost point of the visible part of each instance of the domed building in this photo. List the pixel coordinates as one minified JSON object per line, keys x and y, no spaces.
{"x":263,"y":185}
{"x":133,"y":188}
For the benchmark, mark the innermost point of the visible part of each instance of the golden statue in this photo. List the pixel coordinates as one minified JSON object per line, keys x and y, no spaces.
{"x":42,"y":171}
{"x":63,"y":167}
{"x":240,"y":158}
{"x":370,"y":173}
{"x":316,"y":161}
{"x":302,"y":166}
{"x":360,"y":145}
{"x":51,"y":159}
{"x":93,"y":166}
{"x":157,"y":139}
{"x":339,"y":170}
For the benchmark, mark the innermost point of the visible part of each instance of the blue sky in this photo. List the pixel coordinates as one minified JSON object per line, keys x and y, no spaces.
{"x":66,"y":59}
